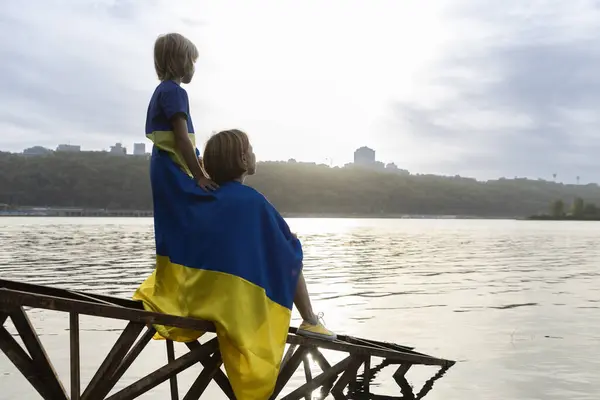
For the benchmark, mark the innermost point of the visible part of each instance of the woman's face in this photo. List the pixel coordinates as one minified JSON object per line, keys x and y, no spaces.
{"x":251,"y":161}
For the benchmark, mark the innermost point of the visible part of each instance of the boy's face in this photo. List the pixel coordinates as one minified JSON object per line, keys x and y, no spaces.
{"x":188,"y":77}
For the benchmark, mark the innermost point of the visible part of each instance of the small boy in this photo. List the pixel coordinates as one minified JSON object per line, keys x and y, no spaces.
{"x":168,"y":122}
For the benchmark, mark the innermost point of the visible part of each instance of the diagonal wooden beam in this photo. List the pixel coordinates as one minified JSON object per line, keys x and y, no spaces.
{"x":37,"y":353}
{"x":288,"y":355}
{"x":348,"y":376}
{"x":286,"y":372}
{"x":207,"y":374}
{"x":23,"y":362}
{"x":97,"y":387}
{"x":319,"y":380}
{"x":307,"y":375}
{"x":324,"y":365}
{"x":220,"y":378}
{"x":164,"y":373}
{"x":320,"y":359}
{"x":109,"y":382}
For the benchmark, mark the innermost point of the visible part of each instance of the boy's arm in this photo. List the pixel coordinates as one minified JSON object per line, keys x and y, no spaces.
{"x":185,"y":147}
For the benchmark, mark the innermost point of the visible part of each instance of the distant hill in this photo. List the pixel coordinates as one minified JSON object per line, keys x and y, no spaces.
{"x":102,"y":180}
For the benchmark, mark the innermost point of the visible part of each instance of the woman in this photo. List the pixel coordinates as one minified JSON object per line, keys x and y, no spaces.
{"x":229,"y":257}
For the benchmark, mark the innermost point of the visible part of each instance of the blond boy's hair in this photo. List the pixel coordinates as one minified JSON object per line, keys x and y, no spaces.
{"x":223,"y":154}
{"x":174,"y":56}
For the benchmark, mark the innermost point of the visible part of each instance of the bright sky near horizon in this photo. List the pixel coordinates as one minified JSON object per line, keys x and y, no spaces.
{"x":479,"y":88}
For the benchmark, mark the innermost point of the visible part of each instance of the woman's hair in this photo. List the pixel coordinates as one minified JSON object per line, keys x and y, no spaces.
{"x":174,"y":56}
{"x":223,"y":153}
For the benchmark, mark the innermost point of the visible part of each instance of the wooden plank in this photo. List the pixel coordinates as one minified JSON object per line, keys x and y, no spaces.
{"x":92,"y":298}
{"x":68,"y":294}
{"x":348,"y":376}
{"x":37,"y":353}
{"x":382,"y":345}
{"x":23,"y":363}
{"x":75,"y":357}
{"x":364,"y":350}
{"x":3,"y":317}
{"x":356,"y":340}
{"x":11,"y":298}
{"x":164,"y":373}
{"x":286,"y":372}
{"x":319,"y":380}
{"x":99,"y":385}
{"x":207,"y":374}
{"x":173,"y":379}
{"x":219,"y":377}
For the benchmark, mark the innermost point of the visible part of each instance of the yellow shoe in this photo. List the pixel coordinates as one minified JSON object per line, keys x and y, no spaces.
{"x":317,"y":331}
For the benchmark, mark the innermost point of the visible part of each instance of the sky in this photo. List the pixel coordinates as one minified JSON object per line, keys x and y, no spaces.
{"x":478,"y":88}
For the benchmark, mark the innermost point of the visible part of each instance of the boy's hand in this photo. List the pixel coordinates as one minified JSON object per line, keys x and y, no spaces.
{"x":206,"y":184}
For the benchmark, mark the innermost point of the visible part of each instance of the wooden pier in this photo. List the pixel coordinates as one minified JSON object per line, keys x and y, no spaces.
{"x":34,"y":364}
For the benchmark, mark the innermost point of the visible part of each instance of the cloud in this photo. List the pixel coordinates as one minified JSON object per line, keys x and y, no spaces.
{"x":470,"y":87}
{"x":67,"y":73}
{"x":520,"y":94}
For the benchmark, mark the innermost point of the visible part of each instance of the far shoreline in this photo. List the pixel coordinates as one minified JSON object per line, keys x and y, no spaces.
{"x":148,"y":214}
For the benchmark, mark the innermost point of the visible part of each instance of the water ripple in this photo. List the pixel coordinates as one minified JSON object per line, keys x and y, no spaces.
{"x":483,"y":291}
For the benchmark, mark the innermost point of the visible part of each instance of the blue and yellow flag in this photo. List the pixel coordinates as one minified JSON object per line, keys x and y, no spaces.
{"x":225,"y":256}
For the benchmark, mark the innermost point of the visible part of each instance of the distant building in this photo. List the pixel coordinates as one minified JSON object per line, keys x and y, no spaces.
{"x":118,"y":149}
{"x":378,"y":165}
{"x":68,"y":148}
{"x":392,"y":167}
{"x":139,"y":149}
{"x":364,"y":156}
{"x":36,"y":151}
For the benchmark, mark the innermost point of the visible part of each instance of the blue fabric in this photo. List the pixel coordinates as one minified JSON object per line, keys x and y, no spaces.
{"x":234,"y":230}
{"x":167,"y":100}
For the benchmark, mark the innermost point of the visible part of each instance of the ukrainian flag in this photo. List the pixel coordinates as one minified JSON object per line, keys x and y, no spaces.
{"x":225,"y":256}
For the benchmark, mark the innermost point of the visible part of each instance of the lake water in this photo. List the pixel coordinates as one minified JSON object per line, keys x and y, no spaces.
{"x":516,"y":303}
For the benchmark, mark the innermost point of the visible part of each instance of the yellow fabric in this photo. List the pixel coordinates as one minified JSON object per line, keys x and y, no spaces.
{"x":165,"y":140}
{"x":251,"y":328}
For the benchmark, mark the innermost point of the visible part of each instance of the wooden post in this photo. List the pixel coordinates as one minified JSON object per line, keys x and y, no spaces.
{"x":74,"y":347}
{"x":173,"y":379}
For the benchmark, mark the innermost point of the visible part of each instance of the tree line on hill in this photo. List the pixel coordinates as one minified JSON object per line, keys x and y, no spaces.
{"x":579,"y":211}
{"x":101,"y":180}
